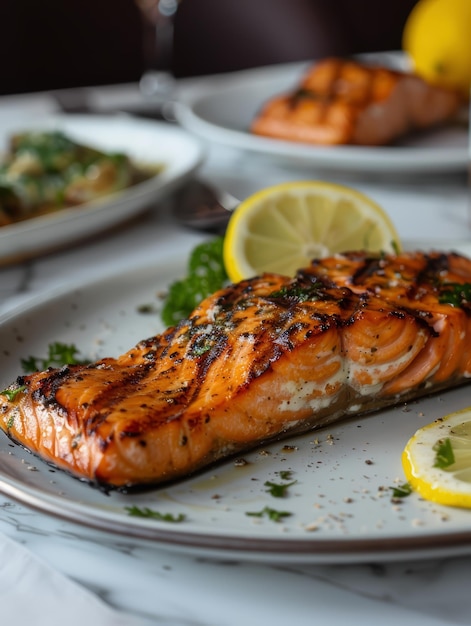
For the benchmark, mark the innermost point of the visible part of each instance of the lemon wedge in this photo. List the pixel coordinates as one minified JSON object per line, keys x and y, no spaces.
{"x":282,"y":228}
{"x":437,"y":460}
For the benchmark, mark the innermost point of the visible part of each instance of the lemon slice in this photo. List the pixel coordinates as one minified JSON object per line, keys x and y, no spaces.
{"x":437,"y":460}
{"x":282,"y":228}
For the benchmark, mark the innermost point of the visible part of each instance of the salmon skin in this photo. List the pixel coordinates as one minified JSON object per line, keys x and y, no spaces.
{"x":346,"y":102}
{"x":257,"y":361}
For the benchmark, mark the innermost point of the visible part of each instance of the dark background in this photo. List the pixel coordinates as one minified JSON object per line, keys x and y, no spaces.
{"x":52,"y":44}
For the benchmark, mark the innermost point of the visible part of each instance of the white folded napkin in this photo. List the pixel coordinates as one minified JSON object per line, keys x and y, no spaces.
{"x":34,"y":594}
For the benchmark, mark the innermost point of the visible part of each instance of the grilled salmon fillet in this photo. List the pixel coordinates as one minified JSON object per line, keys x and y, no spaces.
{"x":345,"y":102}
{"x":258,"y":360}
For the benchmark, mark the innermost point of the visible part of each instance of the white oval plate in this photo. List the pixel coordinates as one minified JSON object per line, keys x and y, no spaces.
{"x":144,"y":141}
{"x":341,"y":507}
{"x":223,"y":113}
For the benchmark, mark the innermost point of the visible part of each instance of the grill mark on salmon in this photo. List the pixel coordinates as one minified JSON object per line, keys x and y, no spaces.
{"x":256,"y":361}
{"x":346,"y":102}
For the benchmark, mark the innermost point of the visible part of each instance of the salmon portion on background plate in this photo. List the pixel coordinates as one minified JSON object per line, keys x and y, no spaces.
{"x":347,"y":102}
{"x":256,"y":361}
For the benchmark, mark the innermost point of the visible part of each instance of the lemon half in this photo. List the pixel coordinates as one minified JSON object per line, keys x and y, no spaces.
{"x":282,"y":228}
{"x":437,"y":37}
{"x":437,"y":460}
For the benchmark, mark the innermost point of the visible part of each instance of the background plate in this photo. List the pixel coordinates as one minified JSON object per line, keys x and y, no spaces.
{"x":223,"y":113}
{"x":143,"y":140}
{"x":341,"y":506}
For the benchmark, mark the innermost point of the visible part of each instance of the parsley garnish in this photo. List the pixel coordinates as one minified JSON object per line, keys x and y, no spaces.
{"x":272,"y":514}
{"x":12,"y":393}
{"x":205,"y":275}
{"x":137,"y":511}
{"x":58,"y":354}
{"x":444,"y":456}
{"x":146,"y":309}
{"x":395,"y":247}
{"x":285,"y":474}
{"x":278,"y":490}
{"x":456,"y":294}
{"x":298,"y":293}
{"x":202,"y":345}
{"x":401,"y":491}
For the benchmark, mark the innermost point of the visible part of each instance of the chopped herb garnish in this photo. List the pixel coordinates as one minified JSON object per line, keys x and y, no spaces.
{"x":278,"y":490}
{"x":285,"y":474}
{"x":395,"y":246}
{"x":456,"y":294}
{"x":272,"y":514}
{"x":202,"y":345}
{"x":58,"y":354}
{"x":444,"y":456}
{"x":401,"y":491}
{"x":137,"y":511}
{"x":298,"y":293}
{"x":205,"y":275}
{"x":12,"y":393}
{"x":146,"y":309}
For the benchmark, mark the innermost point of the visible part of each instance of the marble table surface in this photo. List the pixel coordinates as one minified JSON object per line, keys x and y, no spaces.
{"x":114,"y":580}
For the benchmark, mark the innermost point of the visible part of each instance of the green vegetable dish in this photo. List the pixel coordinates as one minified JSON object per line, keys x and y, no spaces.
{"x":44,"y":172}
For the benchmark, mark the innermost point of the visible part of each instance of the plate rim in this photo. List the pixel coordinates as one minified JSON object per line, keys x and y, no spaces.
{"x":261,"y":549}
